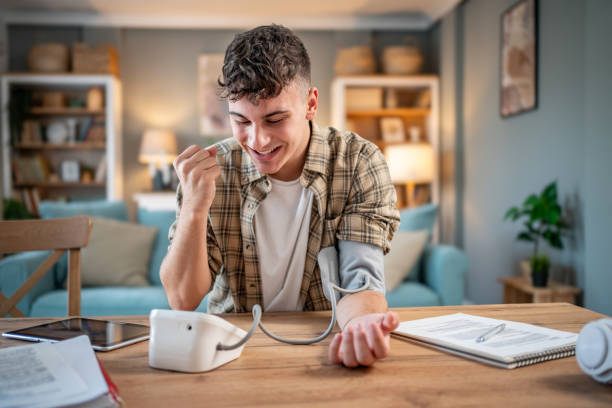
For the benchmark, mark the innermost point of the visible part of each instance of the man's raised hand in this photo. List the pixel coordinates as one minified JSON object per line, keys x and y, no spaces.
{"x":197,"y":171}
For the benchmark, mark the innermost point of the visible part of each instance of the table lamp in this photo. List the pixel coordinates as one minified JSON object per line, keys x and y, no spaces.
{"x":410,"y":164}
{"x":158,"y":149}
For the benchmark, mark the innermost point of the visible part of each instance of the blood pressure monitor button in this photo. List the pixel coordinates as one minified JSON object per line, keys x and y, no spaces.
{"x":592,"y":347}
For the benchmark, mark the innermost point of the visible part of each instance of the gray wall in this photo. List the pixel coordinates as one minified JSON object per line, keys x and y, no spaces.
{"x":598,"y":164}
{"x":450,"y":49}
{"x":565,"y":139}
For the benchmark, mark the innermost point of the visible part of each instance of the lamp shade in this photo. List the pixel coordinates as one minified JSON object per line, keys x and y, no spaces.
{"x":411,"y":162}
{"x":157,"y":146}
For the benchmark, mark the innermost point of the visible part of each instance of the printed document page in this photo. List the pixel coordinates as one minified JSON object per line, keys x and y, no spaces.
{"x":461,"y":330}
{"x":46,"y":374}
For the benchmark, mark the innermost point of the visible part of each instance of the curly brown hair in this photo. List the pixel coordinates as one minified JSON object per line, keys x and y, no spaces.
{"x":260,"y":62}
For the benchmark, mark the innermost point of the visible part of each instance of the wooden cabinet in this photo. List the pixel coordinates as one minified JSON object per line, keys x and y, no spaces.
{"x":521,"y":290}
{"x":398,"y":114}
{"x":54,"y":145}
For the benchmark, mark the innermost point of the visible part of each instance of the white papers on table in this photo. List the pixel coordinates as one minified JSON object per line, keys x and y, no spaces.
{"x":517,"y":342}
{"x":50,"y":374}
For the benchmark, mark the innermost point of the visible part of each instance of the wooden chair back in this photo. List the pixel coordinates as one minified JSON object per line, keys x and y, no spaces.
{"x":59,"y":235}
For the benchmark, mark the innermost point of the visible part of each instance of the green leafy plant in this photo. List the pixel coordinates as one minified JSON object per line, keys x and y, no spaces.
{"x":14,"y":210}
{"x":543,"y":220}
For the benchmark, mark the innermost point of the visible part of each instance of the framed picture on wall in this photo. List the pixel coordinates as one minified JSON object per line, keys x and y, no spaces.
{"x":213,"y":111}
{"x":519,"y":58}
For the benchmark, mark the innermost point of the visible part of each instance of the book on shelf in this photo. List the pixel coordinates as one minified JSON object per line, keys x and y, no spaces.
{"x":515,"y":345}
{"x":31,"y":132}
{"x":100,"y":174}
{"x":17,"y":175}
{"x":35,"y":195}
{"x":25,"y":200}
{"x":34,"y":169}
{"x":84,"y":128}
{"x":97,"y":130}
{"x":30,"y":198}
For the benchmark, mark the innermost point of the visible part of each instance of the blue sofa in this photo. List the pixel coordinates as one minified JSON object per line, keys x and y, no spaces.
{"x":439,"y":275}
{"x":49,"y":298}
{"x":437,"y":281}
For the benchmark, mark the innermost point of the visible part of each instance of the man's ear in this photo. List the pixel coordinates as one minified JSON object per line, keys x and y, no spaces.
{"x":312,"y":103}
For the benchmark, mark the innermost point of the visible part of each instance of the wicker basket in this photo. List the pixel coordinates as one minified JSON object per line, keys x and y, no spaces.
{"x":102,"y":59}
{"x":49,"y":57}
{"x":355,"y":61}
{"x":402,"y":60}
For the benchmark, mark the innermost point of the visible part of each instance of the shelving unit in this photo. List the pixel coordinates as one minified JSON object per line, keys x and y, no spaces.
{"x":89,"y":153}
{"x":411,"y":99}
{"x":66,"y":111}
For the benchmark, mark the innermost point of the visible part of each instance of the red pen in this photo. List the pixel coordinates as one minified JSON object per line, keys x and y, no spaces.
{"x":112,"y":388}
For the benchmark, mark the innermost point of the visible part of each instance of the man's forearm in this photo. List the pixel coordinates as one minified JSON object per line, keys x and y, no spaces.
{"x":359,"y":304}
{"x":184,"y":272}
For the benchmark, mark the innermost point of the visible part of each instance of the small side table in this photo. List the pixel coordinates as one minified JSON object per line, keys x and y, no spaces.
{"x":521,"y":290}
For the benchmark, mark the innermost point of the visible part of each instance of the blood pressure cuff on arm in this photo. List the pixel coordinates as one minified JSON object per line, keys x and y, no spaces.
{"x":348,"y":265}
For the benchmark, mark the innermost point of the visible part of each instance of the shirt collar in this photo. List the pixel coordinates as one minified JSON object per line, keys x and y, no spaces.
{"x":317,"y":158}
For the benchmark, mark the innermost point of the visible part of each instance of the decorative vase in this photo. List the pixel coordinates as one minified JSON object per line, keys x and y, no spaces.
{"x":57,"y":132}
{"x":540,"y":279}
{"x":540,"y":264}
{"x":95,"y":98}
{"x":525,"y":269}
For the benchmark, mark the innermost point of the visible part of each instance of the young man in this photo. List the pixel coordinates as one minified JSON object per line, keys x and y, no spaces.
{"x":259,"y":214}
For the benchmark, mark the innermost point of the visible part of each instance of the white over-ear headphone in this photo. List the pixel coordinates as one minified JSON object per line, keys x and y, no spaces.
{"x":594,"y":350}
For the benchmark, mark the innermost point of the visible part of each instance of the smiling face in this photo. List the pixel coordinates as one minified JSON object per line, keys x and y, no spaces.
{"x":275,"y":132}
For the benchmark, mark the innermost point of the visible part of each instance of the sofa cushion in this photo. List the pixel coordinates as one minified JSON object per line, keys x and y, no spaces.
{"x":118,"y":253}
{"x":406,"y":249}
{"x":162,"y":220}
{"x":106,"y":301}
{"x":411,"y":294}
{"x":115,"y":210}
{"x":417,"y":219}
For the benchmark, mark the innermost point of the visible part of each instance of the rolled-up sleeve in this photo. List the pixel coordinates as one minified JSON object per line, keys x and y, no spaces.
{"x":370,"y":215}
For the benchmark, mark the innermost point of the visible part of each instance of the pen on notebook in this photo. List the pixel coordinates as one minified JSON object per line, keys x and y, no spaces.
{"x":490,"y":333}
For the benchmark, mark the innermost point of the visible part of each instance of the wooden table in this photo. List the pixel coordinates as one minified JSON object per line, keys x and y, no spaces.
{"x":270,"y":373}
{"x":521,"y":290}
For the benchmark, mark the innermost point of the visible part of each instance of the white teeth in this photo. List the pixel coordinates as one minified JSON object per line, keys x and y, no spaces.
{"x":268,"y":152}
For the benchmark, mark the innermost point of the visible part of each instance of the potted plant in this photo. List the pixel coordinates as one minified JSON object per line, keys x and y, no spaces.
{"x":542,"y":221}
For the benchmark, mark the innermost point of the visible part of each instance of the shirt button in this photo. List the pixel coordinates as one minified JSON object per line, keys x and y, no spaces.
{"x":251,"y":206}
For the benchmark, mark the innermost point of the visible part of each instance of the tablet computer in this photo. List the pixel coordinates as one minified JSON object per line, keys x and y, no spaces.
{"x":103,"y":334}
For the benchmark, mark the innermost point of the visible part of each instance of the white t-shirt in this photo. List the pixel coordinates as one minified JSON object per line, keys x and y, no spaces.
{"x":282,"y":224}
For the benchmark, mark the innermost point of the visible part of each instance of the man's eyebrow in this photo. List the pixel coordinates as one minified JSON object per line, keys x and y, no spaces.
{"x":265,"y":116}
{"x":238,"y":114}
{"x":275,"y":113}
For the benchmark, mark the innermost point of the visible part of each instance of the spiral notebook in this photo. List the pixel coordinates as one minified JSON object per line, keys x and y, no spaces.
{"x":517,"y":345}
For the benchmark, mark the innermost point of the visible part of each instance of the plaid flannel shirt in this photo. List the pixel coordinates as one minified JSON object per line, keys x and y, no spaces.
{"x":354,"y":200}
